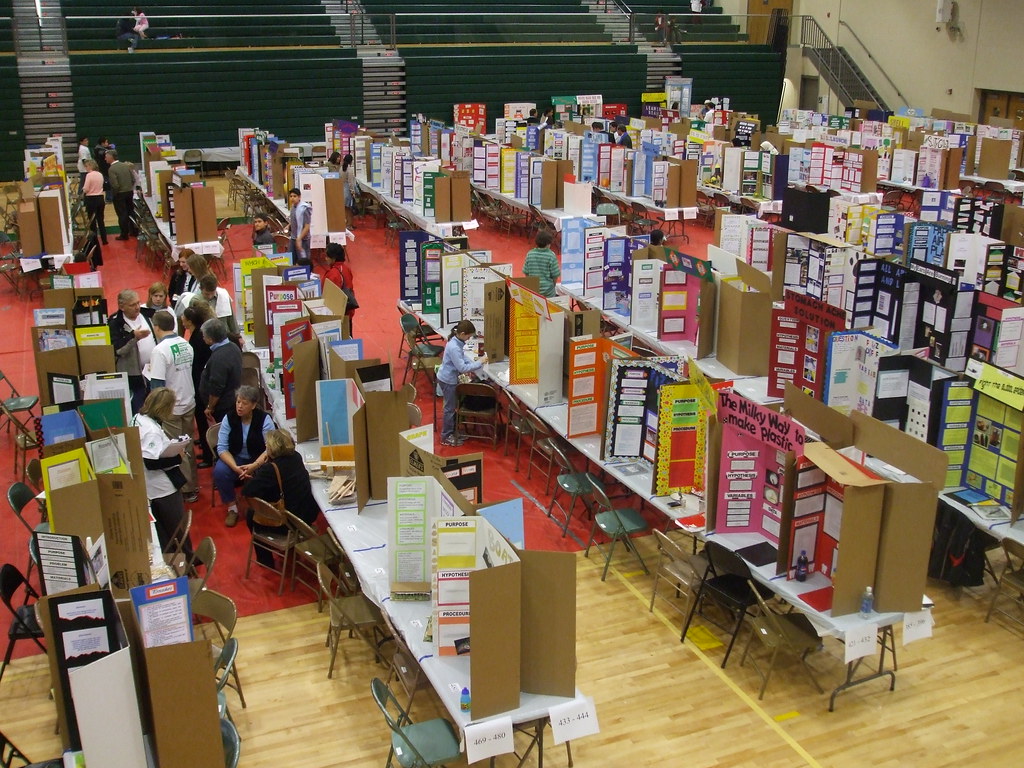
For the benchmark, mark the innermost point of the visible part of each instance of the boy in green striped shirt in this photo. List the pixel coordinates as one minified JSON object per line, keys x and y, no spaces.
{"x":541,"y":262}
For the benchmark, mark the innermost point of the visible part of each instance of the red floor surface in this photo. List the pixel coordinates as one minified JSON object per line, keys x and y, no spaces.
{"x":375,"y":267}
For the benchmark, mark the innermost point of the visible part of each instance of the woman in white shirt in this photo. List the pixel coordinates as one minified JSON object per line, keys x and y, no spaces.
{"x":164,"y":477}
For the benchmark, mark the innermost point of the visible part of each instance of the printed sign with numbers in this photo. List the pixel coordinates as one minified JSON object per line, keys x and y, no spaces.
{"x":489,"y":738}
{"x":917,"y":626}
{"x":860,"y":641}
{"x":573,"y":720}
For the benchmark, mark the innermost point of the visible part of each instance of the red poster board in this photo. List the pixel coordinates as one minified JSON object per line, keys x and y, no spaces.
{"x":291,"y":334}
{"x":472,"y":116}
{"x":800,"y":332}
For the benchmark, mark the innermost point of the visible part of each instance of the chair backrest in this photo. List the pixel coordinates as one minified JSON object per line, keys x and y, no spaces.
{"x":415,"y":414}
{"x":477,"y":389}
{"x":561,"y":458}
{"x":220,"y":608}
{"x":768,"y":614}
{"x":724,"y":561}
{"x":11,"y":580}
{"x":409,"y":323}
{"x":1014,"y":551}
{"x":267,"y":513}
{"x":600,"y":497}
{"x":205,"y":554}
{"x":19,"y":496}
{"x":251,"y":360}
{"x":225,"y":662}
{"x":211,"y":438}
{"x":177,"y":540}
{"x":232,"y":743}
{"x":34,"y":471}
{"x":393,"y":712}
{"x":539,"y":427}
{"x":328,"y":581}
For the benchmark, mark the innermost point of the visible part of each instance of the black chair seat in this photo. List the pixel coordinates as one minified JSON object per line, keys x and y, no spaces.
{"x":27,"y":626}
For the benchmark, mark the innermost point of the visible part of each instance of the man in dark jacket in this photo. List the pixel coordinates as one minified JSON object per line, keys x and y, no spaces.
{"x":122,"y":187}
{"x":223,"y":372}
{"x":131,"y":334}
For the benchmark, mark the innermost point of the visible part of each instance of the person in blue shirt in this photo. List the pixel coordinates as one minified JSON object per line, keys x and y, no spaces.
{"x":298,"y":226}
{"x":454,"y":363}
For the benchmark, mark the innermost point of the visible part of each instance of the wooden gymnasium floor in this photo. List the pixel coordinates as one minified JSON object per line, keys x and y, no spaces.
{"x":658,"y":702}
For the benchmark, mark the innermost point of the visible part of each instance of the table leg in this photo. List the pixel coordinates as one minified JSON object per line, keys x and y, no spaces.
{"x":888,"y":643}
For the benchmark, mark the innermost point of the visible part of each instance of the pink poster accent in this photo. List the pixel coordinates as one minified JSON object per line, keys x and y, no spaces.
{"x":755,"y":444}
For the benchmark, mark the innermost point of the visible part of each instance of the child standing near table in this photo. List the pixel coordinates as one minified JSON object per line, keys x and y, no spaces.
{"x":453,"y":364}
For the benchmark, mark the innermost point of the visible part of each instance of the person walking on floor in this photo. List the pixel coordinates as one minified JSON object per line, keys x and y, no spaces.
{"x":542,"y":262}
{"x":95,"y":200}
{"x":171,"y":366}
{"x":122,"y":187}
{"x":453,"y":365}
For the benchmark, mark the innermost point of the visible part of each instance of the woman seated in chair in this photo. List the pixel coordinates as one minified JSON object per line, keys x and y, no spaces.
{"x":283,"y":474}
{"x":241,"y":447}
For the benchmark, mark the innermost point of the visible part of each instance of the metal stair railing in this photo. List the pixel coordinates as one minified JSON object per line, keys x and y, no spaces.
{"x":875,"y":61}
{"x":834,"y":66}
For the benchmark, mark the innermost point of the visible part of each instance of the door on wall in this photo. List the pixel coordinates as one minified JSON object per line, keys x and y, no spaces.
{"x":809,"y":93}
{"x":994,"y":104}
{"x":1016,"y":110}
{"x":759,"y":16}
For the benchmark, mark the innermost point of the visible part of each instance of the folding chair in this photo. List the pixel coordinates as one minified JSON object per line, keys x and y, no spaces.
{"x":429,"y":743}
{"x":617,"y":523}
{"x":24,"y":625}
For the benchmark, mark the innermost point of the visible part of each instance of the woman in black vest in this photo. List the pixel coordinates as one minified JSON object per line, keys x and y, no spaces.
{"x":241,"y":447}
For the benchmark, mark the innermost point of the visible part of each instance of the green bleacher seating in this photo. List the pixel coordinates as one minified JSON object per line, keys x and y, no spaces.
{"x":201,"y":98}
{"x":217,"y":24}
{"x":12,"y":120}
{"x":750,"y":75}
{"x":486,"y":22}
{"x":438,"y":78}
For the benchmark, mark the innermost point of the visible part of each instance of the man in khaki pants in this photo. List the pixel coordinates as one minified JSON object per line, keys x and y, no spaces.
{"x":171,"y":366}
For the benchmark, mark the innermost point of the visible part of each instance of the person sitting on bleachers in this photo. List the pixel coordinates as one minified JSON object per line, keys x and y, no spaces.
{"x":126,"y":31}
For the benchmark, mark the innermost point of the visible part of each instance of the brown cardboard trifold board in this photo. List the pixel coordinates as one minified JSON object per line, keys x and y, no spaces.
{"x":375,"y":426}
{"x":115,"y":506}
{"x":522,"y":630}
{"x":744,"y":321}
{"x":183,"y":702}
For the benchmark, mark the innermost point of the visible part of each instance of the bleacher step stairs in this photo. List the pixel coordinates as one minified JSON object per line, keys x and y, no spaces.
{"x":661,"y":64}
{"x":44,"y":76}
{"x":611,"y":19}
{"x":383,"y":91}
{"x":351,"y":23}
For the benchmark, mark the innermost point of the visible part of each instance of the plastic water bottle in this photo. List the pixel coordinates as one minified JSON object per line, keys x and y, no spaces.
{"x":801,"y":566}
{"x":867,"y":603}
{"x":464,"y":700}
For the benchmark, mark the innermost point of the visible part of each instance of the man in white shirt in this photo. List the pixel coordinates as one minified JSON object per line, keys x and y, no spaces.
{"x":132,"y":337}
{"x":84,"y":154}
{"x":171,"y":366}
{"x":220,"y":302}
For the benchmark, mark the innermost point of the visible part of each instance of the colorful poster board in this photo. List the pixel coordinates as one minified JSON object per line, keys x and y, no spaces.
{"x":756,"y":445}
{"x":682,"y":436}
{"x":588,"y":396}
{"x":800,"y":333}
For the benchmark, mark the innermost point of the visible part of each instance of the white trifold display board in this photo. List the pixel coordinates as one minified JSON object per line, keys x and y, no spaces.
{"x":646,"y":291}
